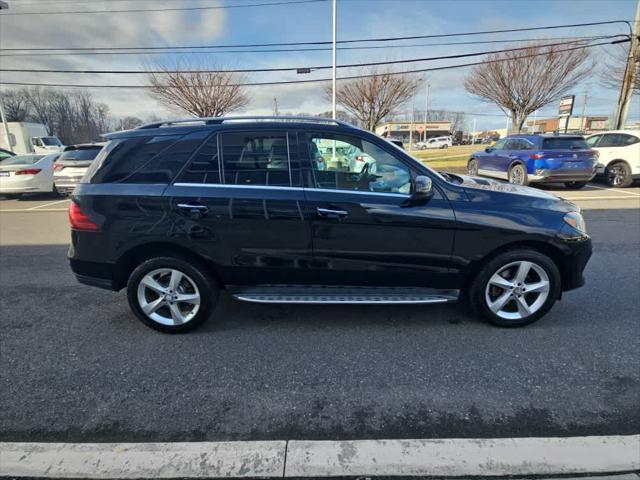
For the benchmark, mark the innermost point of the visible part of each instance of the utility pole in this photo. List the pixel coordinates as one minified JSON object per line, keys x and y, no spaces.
{"x":426,"y":110}
{"x":275,"y":107}
{"x":333,"y":78}
{"x":473,"y":132}
{"x":583,"y":121}
{"x":5,"y":6}
{"x":629,"y":74}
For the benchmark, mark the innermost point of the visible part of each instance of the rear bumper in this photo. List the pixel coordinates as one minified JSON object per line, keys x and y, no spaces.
{"x":565,"y":175}
{"x":99,"y":275}
{"x":66,"y":184}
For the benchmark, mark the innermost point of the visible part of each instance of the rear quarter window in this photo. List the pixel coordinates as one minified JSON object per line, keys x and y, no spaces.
{"x":564,"y":143}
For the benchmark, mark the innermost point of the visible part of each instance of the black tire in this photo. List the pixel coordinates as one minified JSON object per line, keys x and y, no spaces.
{"x":575,"y":185}
{"x":206,"y":287}
{"x":518,"y":175}
{"x":472,"y":167}
{"x":445,"y":146}
{"x":618,"y":174}
{"x":479,"y":289}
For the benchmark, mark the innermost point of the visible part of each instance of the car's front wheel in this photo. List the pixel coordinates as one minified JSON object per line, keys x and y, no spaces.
{"x":515,"y":288}
{"x":170,"y":294}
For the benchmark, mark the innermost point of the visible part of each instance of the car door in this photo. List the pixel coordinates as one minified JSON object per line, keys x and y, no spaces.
{"x":239,"y":203}
{"x":364,"y":232}
{"x":489,"y":162}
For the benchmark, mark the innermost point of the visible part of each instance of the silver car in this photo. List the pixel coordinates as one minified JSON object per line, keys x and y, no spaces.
{"x":72,"y":165}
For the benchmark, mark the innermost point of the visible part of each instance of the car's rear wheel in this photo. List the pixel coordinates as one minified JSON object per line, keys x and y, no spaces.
{"x":515,"y":288}
{"x":472,"y":167}
{"x":575,"y":185}
{"x":171,"y":294}
{"x":518,"y":175}
{"x":618,"y":175}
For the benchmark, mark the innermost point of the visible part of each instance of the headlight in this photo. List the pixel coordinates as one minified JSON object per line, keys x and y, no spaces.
{"x":576,"y":220}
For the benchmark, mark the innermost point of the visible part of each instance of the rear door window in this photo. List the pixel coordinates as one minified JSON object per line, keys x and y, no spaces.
{"x":564,"y":143}
{"x":205,"y":165}
{"x":256,"y":158}
{"x":610,"y":140}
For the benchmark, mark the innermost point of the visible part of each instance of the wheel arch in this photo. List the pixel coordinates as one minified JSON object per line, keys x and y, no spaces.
{"x":551,"y":251}
{"x":133,"y":257}
{"x":617,"y":160}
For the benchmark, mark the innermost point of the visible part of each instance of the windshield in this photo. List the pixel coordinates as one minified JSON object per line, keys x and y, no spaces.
{"x":564,"y":143}
{"x":20,"y":160}
{"x":49,"y":141}
{"x":80,"y":154}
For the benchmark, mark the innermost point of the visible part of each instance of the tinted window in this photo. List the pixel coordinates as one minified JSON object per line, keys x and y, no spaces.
{"x":512,"y":144}
{"x":592,"y":141}
{"x":255,"y":158}
{"x":500,"y":144}
{"x":350,"y":163}
{"x":626,"y":140}
{"x":163,"y":167}
{"x":564,"y":143}
{"x":80,"y":154}
{"x":609,"y":140}
{"x":205,"y":164}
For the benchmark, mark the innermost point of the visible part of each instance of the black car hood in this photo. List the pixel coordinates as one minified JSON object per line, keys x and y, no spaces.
{"x":481,"y":183}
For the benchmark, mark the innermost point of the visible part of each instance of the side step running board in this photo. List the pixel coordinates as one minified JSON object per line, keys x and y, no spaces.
{"x":344,"y":295}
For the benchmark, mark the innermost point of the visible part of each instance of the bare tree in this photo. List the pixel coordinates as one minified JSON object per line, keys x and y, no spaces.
{"x":129,"y":122}
{"x":16,"y":105}
{"x":612,"y":72}
{"x":200,"y":92}
{"x":372,"y":98}
{"x":523,"y":81}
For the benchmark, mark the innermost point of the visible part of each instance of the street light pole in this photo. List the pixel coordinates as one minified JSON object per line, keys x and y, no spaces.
{"x":426,"y":111}
{"x":4,"y":6}
{"x":626,"y":89}
{"x":333,"y":79}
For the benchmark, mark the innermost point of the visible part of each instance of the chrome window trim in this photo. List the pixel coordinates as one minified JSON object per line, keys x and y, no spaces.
{"x":295,"y":189}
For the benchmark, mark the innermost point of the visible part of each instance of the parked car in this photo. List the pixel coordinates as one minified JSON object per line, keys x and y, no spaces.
{"x":177,"y":211}
{"x":5,"y":154}
{"x":436,"y":142}
{"x":524,"y":159}
{"x":72,"y":165}
{"x":619,"y":160}
{"x":32,"y":173}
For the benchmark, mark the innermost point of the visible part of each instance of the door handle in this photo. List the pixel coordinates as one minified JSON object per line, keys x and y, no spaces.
{"x":330,"y":213}
{"x":193,"y":209}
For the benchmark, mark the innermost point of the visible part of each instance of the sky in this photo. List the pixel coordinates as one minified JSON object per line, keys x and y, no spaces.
{"x":241,"y":24}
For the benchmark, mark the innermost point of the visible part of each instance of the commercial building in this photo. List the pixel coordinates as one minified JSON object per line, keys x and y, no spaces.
{"x":402,"y":130}
{"x":576,"y":124}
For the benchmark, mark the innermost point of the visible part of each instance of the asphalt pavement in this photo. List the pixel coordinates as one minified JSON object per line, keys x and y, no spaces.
{"x":76,"y":366}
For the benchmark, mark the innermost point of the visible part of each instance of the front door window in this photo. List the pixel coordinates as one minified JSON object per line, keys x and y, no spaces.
{"x":350,"y":163}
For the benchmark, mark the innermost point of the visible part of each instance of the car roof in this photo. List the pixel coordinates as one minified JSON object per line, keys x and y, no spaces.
{"x":184,"y":126}
{"x":629,"y":131}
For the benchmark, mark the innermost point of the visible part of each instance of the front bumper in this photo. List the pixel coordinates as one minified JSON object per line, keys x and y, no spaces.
{"x":578,"y":252}
{"x":564,"y":175}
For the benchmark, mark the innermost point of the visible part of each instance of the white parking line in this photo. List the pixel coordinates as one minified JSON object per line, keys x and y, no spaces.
{"x":315,"y":459}
{"x":28,"y":210}
{"x":617,"y":190}
{"x":48,"y":204}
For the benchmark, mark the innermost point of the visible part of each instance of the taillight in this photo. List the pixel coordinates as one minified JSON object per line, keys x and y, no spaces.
{"x":79,"y":220}
{"x":536,"y":156}
{"x":57,"y":166}
{"x":28,"y":171}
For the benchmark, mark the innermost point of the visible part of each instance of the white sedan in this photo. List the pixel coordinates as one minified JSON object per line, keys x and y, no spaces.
{"x":27,"y":174}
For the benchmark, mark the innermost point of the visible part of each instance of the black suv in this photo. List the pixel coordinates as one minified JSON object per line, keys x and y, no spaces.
{"x":309,"y":210}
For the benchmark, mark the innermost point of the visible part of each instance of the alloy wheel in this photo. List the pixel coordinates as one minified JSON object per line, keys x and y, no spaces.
{"x":617,"y":175}
{"x":168,"y":296}
{"x":517,"y":290}
{"x":516,"y":175}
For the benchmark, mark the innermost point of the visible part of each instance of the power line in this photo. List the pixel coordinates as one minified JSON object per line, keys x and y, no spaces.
{"x":170,"y":9}
{"x":324,"y":42}
{"x":321,"y":49}
{"x":318,"y":80}
{"x":288,"y":69}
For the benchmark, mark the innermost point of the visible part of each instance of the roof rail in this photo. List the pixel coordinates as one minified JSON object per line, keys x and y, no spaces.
{"x":263,"y":118}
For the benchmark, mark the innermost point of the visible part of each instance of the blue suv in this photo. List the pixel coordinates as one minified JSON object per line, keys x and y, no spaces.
{"x":524,"y":159}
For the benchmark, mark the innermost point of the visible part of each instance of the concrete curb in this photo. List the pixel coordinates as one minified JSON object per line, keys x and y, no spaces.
{"x":313,"y":459}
